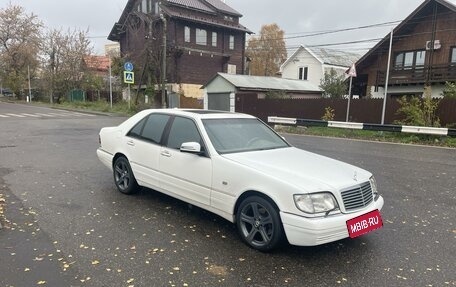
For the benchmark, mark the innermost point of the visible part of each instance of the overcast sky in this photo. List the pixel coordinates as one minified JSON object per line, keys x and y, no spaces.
{"x":296,"y":17}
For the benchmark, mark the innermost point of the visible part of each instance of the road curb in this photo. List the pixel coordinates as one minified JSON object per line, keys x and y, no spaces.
{"x":364,"y":126}
{"x":106,"y":114}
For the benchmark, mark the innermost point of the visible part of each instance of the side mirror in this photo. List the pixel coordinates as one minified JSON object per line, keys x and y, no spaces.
{"x":191,"y":147}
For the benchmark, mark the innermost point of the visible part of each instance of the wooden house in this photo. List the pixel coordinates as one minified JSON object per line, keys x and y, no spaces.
{"x":203,"y":37}
{"x":423,"y":54}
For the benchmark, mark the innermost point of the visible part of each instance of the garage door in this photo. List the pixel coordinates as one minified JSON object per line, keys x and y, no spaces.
{"x":220,"y":102}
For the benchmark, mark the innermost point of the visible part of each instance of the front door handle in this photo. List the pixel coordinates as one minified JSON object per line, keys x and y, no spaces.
{"x":165,"y":153}
{"x":130,"y":142}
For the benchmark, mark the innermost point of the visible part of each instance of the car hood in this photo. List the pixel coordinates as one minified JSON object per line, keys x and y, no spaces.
{"x":308,"y":171}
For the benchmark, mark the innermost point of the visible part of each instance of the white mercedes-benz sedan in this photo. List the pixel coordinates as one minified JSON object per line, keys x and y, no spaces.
{"x":236,"y":166}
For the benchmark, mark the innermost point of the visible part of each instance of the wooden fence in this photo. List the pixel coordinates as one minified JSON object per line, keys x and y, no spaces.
{"x":361,"y":110}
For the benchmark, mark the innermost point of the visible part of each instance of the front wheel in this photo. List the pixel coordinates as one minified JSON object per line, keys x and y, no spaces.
{"x":259,"y":223}
{"x":123,"y":176}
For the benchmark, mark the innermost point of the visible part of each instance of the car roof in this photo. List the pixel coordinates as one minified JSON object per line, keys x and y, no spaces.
{"x":202,"y":114}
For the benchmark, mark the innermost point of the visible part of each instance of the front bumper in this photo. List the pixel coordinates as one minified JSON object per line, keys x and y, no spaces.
{"x":303,"y":231}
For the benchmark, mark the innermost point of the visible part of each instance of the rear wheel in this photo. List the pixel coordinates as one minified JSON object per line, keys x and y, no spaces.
{"x":258,"y":222}
{"x":123,"y":176}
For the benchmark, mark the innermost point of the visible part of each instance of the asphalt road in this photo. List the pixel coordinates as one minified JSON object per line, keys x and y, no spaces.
{"x":66,"y":225}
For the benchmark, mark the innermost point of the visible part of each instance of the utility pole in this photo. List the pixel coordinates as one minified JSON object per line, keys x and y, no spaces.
{"x":387,"y":77}
{"x":110,"y":82}
{"x":163,"y":78}
{"x":51,"y":96}
{"x":29,"y":85}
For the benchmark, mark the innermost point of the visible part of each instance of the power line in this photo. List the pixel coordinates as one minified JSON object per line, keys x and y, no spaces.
{"x":344,"y":30}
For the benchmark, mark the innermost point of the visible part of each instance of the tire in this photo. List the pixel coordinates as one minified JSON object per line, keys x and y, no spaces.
{"x":258,"y":223}
{"x":123,"y":176}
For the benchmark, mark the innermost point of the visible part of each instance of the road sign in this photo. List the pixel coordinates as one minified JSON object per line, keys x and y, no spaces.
{"x":128,"y":66}
{"x":129,"y":77}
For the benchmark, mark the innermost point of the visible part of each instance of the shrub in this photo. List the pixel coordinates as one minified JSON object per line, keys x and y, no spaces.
{"x":329,"y":114}
{"x":450,"y":90}
{"x":419,"y":112}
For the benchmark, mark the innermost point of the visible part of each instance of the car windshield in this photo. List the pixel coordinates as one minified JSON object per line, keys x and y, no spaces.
{"x":240,"y":135}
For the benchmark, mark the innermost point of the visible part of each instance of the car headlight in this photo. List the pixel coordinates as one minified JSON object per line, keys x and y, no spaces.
{"x":373,"y":185}
{"x":315,"y":202}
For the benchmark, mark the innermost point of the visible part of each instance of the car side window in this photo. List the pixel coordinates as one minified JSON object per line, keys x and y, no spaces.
{"x":154,"y":127}
{"x":136,"y":130}
{"x":182,"y":130}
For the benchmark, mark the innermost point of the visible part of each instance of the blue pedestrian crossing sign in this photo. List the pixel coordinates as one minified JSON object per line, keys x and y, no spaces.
{"x":129,"y":77}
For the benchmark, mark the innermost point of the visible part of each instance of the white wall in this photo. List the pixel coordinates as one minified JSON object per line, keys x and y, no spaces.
{"x":304,"y":59}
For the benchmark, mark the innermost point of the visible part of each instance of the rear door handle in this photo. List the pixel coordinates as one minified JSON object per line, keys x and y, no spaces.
{"x":165,"y":153}
{"x":130,"y":142}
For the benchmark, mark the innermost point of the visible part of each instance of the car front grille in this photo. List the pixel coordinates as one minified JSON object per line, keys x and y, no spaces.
{"x":358,"y":196}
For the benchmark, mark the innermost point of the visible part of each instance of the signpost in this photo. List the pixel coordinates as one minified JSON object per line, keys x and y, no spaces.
{"x":128,"y":66}
{"x":351,"y":72}
{"x":129,"y":78}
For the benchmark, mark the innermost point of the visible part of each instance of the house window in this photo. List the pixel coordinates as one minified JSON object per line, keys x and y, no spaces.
{"x":187,"y":34}
{"x":157,"y":8}
{"x":408,"y":60}
{"x":231,"y":42}
{"x":303,"y":73}
{"x":144,"y":6}
{"x":214,"y":39}
{"x":420,"y":56}
{"x":231,"y":69}
{"x":453,"y":55}
{"x":201,"y":37}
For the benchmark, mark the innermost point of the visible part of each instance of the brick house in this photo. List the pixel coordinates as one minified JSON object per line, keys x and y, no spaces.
{"x":423,"y":53}
{"x":203,"y":37}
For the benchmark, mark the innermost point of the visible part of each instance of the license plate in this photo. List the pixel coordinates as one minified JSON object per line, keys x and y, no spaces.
{"x":364,"y":223}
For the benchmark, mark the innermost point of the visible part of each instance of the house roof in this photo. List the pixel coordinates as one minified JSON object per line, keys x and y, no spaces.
{"x":193,"y":4}
{"x":96,"y":63}
{"x":401,"y":26}
{"x":335,"y":57}
{"x":326,"y":56}
{"x":174,"y":12}
{"x":209,"y":7}
{"x":221,"y":6}
{"x":245,"y":82}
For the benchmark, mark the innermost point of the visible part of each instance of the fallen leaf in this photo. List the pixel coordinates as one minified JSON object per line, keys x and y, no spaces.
{"x":95,"y":262}
{"x":41,"y":282}
{"x":130,"y":280}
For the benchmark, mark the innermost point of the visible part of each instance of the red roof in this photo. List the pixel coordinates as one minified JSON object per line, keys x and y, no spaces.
{"x":97,"y":63}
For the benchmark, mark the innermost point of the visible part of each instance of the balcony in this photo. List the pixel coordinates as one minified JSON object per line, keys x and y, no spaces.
{"x":418,"y":75}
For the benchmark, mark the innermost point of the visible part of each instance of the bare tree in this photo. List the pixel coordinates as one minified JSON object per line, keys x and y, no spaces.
{"x":62,"y":56}
{"x":267,"y":52}
{"x":20,"y":39}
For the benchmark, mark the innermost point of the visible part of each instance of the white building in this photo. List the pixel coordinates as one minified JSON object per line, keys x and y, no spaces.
{"x":311,"y":63}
